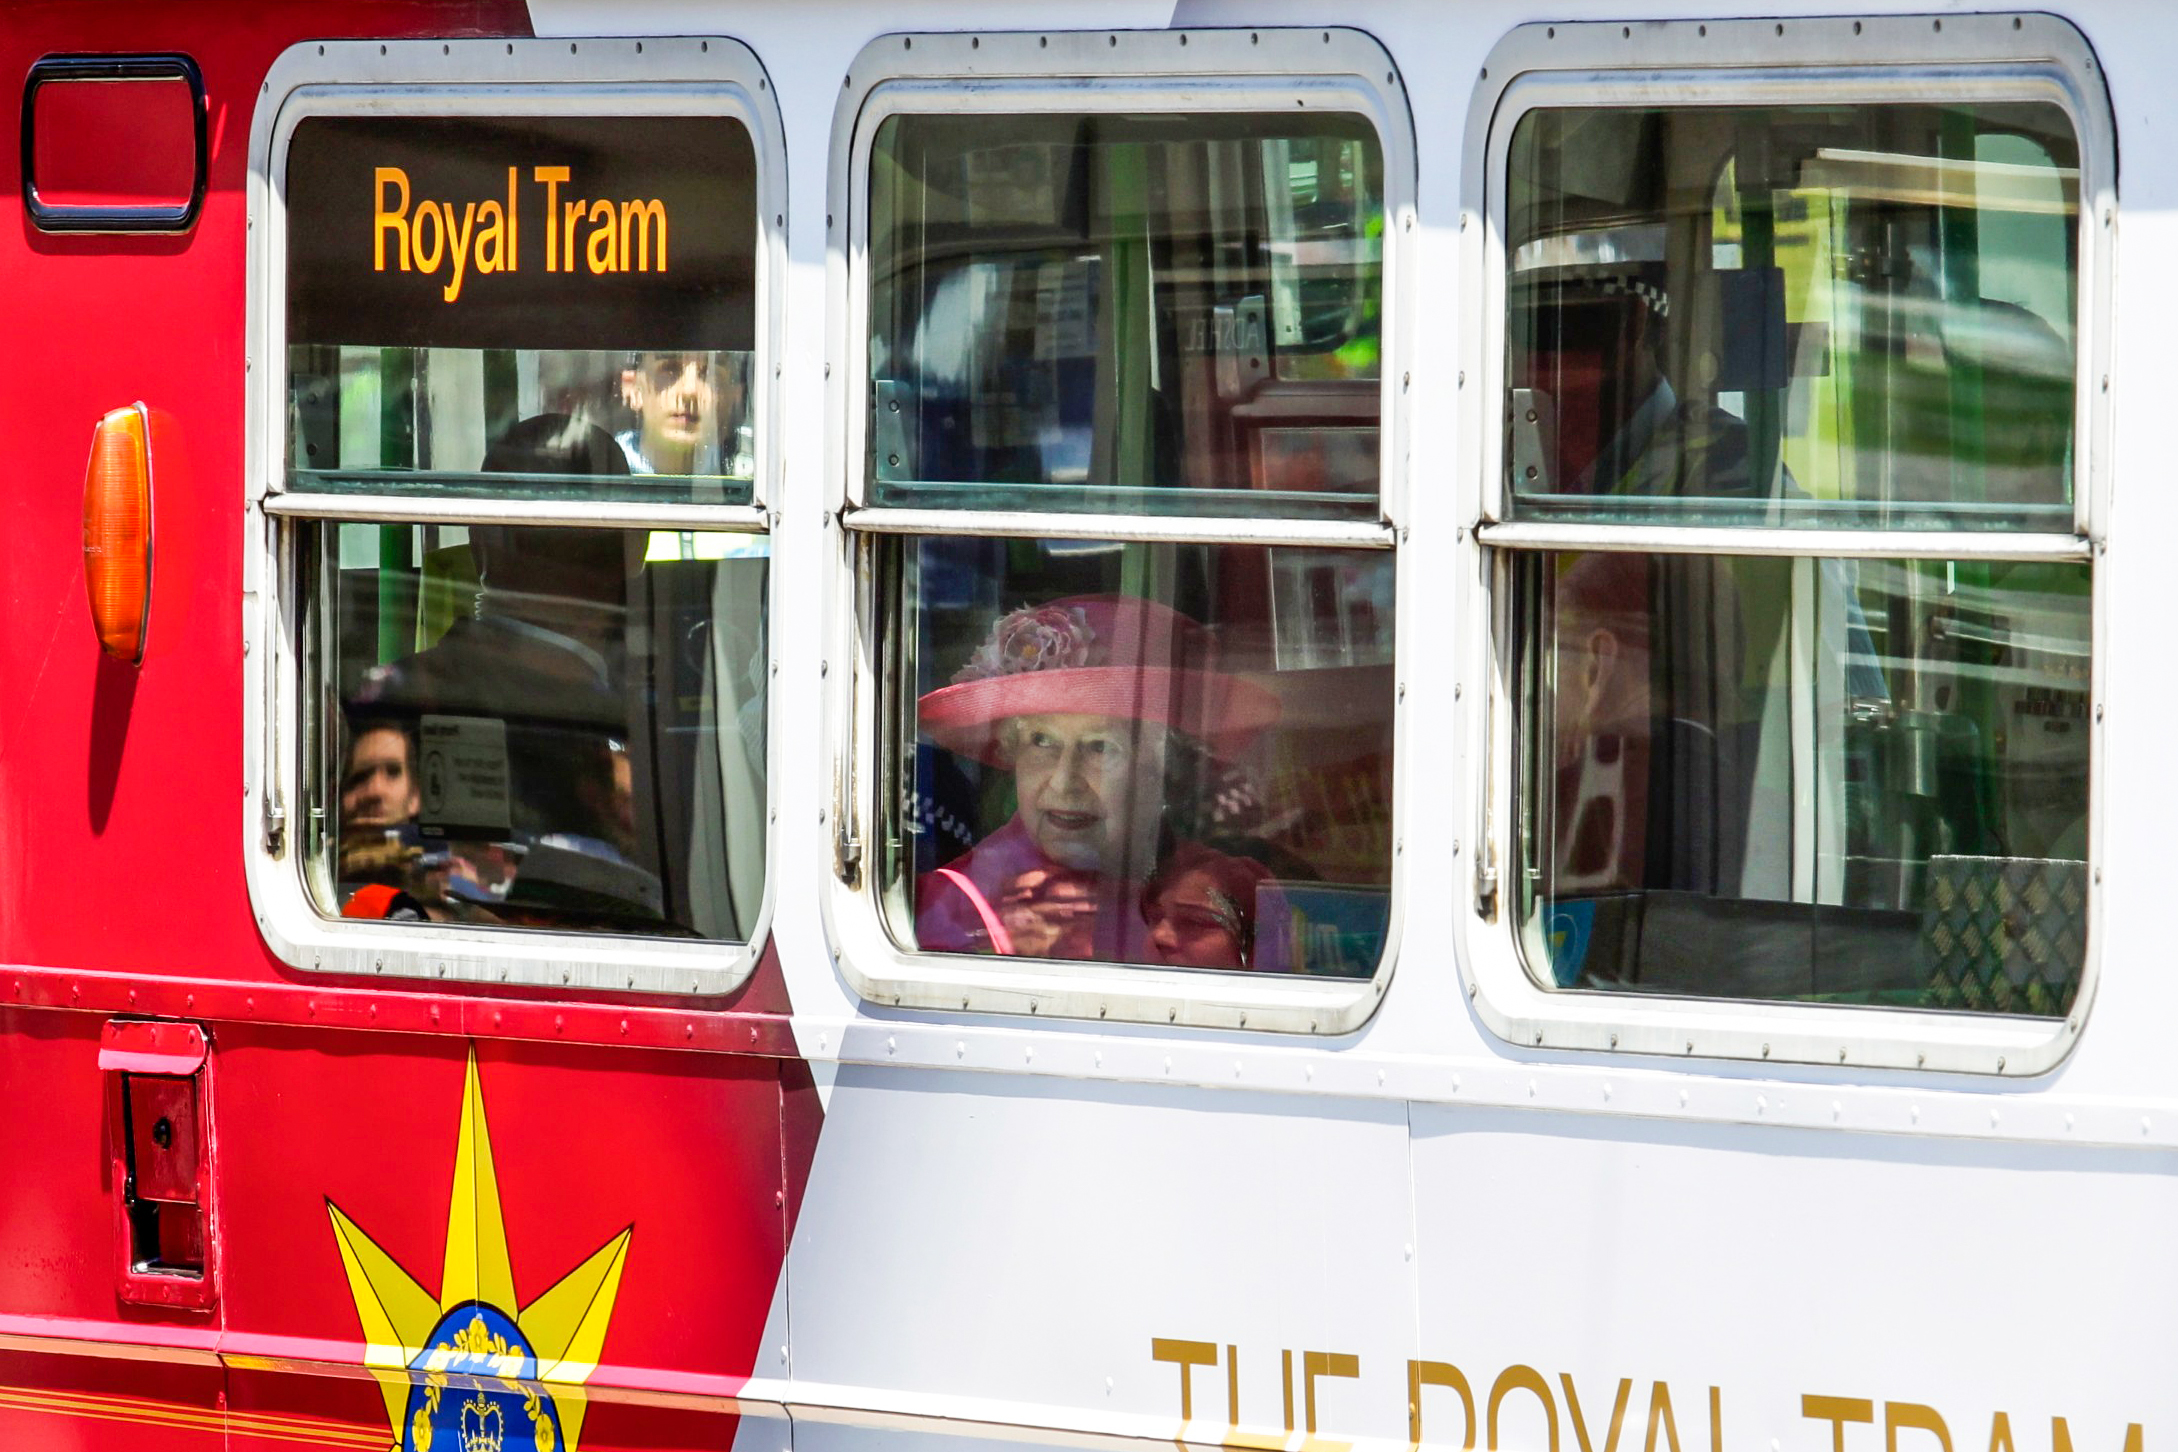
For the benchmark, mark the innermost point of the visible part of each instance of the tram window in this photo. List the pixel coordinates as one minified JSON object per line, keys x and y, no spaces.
{"x":528,"y":722}
{"x":1801,"y":315}
{"x":448,"y":277}
{"x":1160,"y":754}
{"x":1840,"y":780}
{"x":530,"y":726}
{"x":1175,"y":314}
{"x":1783,"y":777}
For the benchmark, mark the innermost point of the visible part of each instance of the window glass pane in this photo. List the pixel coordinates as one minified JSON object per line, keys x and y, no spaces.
{"x":1153,"y":754}
{"x":545,"y":728}
{"x":1794,"y":315}
{"x":449,"y":276}
{"x":1846,"y":780}
{"x":1126,"y":313}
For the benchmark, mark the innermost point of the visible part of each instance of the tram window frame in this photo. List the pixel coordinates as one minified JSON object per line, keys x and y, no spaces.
{"x":1082,"y":73}
{"x":1993,"y":58}
{"x":605,"y":79}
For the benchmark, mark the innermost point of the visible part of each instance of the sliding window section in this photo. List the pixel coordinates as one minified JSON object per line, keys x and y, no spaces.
{"x":1121,"y":493}
{"x":1797,"y":583}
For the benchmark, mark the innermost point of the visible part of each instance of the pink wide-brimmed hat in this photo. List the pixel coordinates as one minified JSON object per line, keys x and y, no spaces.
{"x":1097,"y":655}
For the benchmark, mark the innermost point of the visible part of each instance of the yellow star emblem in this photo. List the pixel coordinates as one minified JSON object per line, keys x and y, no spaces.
{"x":466,"y":1371}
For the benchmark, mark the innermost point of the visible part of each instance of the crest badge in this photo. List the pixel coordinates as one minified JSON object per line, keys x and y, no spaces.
{"x":472,"y":1369}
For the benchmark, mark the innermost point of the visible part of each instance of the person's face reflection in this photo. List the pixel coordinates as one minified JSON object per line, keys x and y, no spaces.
{"x":1089,"y":789}
{"x":378,"y":789}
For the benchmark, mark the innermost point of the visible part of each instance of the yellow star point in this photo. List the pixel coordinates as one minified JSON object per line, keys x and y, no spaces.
{"x":564,"y":1328}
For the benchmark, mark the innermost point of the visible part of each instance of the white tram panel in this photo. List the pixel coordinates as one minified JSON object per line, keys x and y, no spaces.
{"x":1000,"y":1249}
{"x":1780,"y":1264}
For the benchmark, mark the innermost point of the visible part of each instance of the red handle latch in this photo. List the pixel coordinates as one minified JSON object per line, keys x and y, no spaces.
{"x":157,"y":1073}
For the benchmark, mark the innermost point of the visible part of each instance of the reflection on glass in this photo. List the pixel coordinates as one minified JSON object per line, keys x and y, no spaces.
{"x":1794,"y":315}
{"x":1860,"y":781}
{"x":541,"y":727}
{"x":422,"y":420}
{"x":1172,"y":755}
{"x":1126,"y":312}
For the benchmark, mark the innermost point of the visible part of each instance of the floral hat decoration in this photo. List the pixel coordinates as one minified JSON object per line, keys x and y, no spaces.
{"x":1096,"y":655}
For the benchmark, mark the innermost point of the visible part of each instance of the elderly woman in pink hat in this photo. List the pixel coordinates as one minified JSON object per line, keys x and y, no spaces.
{"x":1090,"y":701}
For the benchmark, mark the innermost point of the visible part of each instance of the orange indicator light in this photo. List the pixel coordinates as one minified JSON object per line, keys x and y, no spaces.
{"x":117,"y":531}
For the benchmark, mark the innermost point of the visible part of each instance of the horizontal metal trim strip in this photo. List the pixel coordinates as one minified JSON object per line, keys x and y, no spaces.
{"x":1373,"y":534}
{"x":1824,"y":543}
{"x":597,"y":514}
{"x":408,"y":1005}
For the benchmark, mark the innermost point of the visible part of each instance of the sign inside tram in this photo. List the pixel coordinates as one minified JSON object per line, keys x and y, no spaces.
{"x":531,"y":232}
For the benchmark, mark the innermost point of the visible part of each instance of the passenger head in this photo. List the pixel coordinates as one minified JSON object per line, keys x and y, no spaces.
{"x":378,"y":784}
{"x":1602,"y":668}
{"x":1087,"y":700}
{"x":1090,"y":788}
{"x":1200,"y":908}
{"x":681,"y":404}
{"x":1589,"y":341}
{"x":580,"y":564}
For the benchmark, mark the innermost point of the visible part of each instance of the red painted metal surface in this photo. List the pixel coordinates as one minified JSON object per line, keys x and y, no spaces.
{"x":685,"y":1125}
